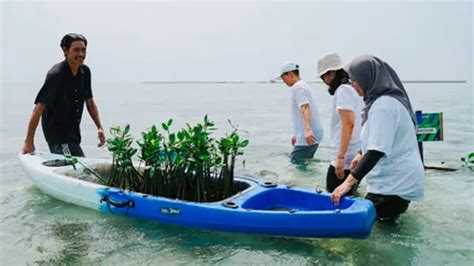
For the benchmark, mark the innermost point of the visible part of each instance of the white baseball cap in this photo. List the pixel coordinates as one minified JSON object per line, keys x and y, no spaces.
{"x":287,"y":67}
{"x":328,"y":62}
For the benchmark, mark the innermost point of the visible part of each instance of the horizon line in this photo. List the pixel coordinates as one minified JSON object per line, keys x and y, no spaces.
{"x":273,"y":81}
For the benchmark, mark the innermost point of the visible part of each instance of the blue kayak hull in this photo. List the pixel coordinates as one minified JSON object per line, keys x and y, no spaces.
{"x":278,"y":210}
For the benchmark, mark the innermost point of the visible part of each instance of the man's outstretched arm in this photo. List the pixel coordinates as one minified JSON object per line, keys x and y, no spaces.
{"x":29,"y":145}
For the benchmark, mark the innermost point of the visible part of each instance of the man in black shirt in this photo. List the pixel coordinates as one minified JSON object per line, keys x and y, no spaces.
{"x":60,"y":101}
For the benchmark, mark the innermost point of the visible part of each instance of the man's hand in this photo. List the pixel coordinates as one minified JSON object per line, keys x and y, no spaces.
{"x":101,"y":136}
{"x":293,"y":141}
{"x":28,"y":147}
{"x":355,"y":161}
{"x":342,"y":189}
{"x":339,"y":168}
{"x":309,"y":136}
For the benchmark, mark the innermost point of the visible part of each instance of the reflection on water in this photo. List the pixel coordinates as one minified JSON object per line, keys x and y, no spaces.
{"x":74,"y":243}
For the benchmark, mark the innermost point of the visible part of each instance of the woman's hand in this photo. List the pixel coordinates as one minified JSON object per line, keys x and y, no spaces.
{"x":342,"y":189}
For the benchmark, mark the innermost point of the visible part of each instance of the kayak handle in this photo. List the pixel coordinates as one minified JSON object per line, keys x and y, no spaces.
{"x":268,"y":184}
{"x":230,"y":204}
{"x":128,"y":203}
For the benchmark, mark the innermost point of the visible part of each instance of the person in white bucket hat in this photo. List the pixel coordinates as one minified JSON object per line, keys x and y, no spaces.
{"x":345,"y":119}
{"x":307,"y":127}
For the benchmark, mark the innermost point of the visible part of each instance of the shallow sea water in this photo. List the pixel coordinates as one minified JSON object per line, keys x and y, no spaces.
{"x":38,"y":229}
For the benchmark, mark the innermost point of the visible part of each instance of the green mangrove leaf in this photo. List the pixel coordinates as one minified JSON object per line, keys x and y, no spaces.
{"x":114,"y":130}
{"x":244,"y":143}
{"x":180,"y":136}
{"x":172,"y":137}
{"x":126,"y":130}
{"x":235,"y":139}
{"x":471,"y":157}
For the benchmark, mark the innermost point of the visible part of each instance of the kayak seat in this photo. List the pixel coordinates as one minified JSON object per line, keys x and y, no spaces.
{"x":57,"y":163}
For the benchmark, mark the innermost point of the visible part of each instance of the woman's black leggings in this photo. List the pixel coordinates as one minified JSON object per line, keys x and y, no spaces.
{"x":388,"y":207}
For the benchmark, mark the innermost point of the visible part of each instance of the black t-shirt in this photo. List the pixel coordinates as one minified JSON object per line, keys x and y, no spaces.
{"x":64,"y":95}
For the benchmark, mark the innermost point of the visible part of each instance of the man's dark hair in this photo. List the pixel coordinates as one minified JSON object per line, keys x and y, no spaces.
{"x":69,"y":38}
{"x":341,"y":78}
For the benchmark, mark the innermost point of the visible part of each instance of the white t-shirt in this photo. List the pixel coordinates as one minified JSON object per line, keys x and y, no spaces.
{"x":301,"y":94}
{"x":346,"y":98}
{"x":389,"y":129}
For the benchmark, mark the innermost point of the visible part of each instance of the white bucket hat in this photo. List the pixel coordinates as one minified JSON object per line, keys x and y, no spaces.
{"x":328,"y":62}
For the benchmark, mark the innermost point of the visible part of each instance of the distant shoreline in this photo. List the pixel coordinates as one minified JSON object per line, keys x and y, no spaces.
{"x":277,"y":82}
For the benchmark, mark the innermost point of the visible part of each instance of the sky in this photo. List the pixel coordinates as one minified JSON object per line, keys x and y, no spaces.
{"x":245,"y":41}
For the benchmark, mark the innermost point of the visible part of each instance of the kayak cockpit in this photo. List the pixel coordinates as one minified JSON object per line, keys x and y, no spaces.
{"x":283,"y":199}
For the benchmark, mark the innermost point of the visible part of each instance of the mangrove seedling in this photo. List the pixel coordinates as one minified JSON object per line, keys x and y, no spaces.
{"x":123,"y":174}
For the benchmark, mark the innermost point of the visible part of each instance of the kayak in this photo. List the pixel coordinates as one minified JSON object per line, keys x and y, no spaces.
{"x":258,"y":208}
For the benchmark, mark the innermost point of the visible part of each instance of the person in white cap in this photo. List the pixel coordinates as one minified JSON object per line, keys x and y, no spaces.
{"x":345,"y":119}
{"x":307,"y":128}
